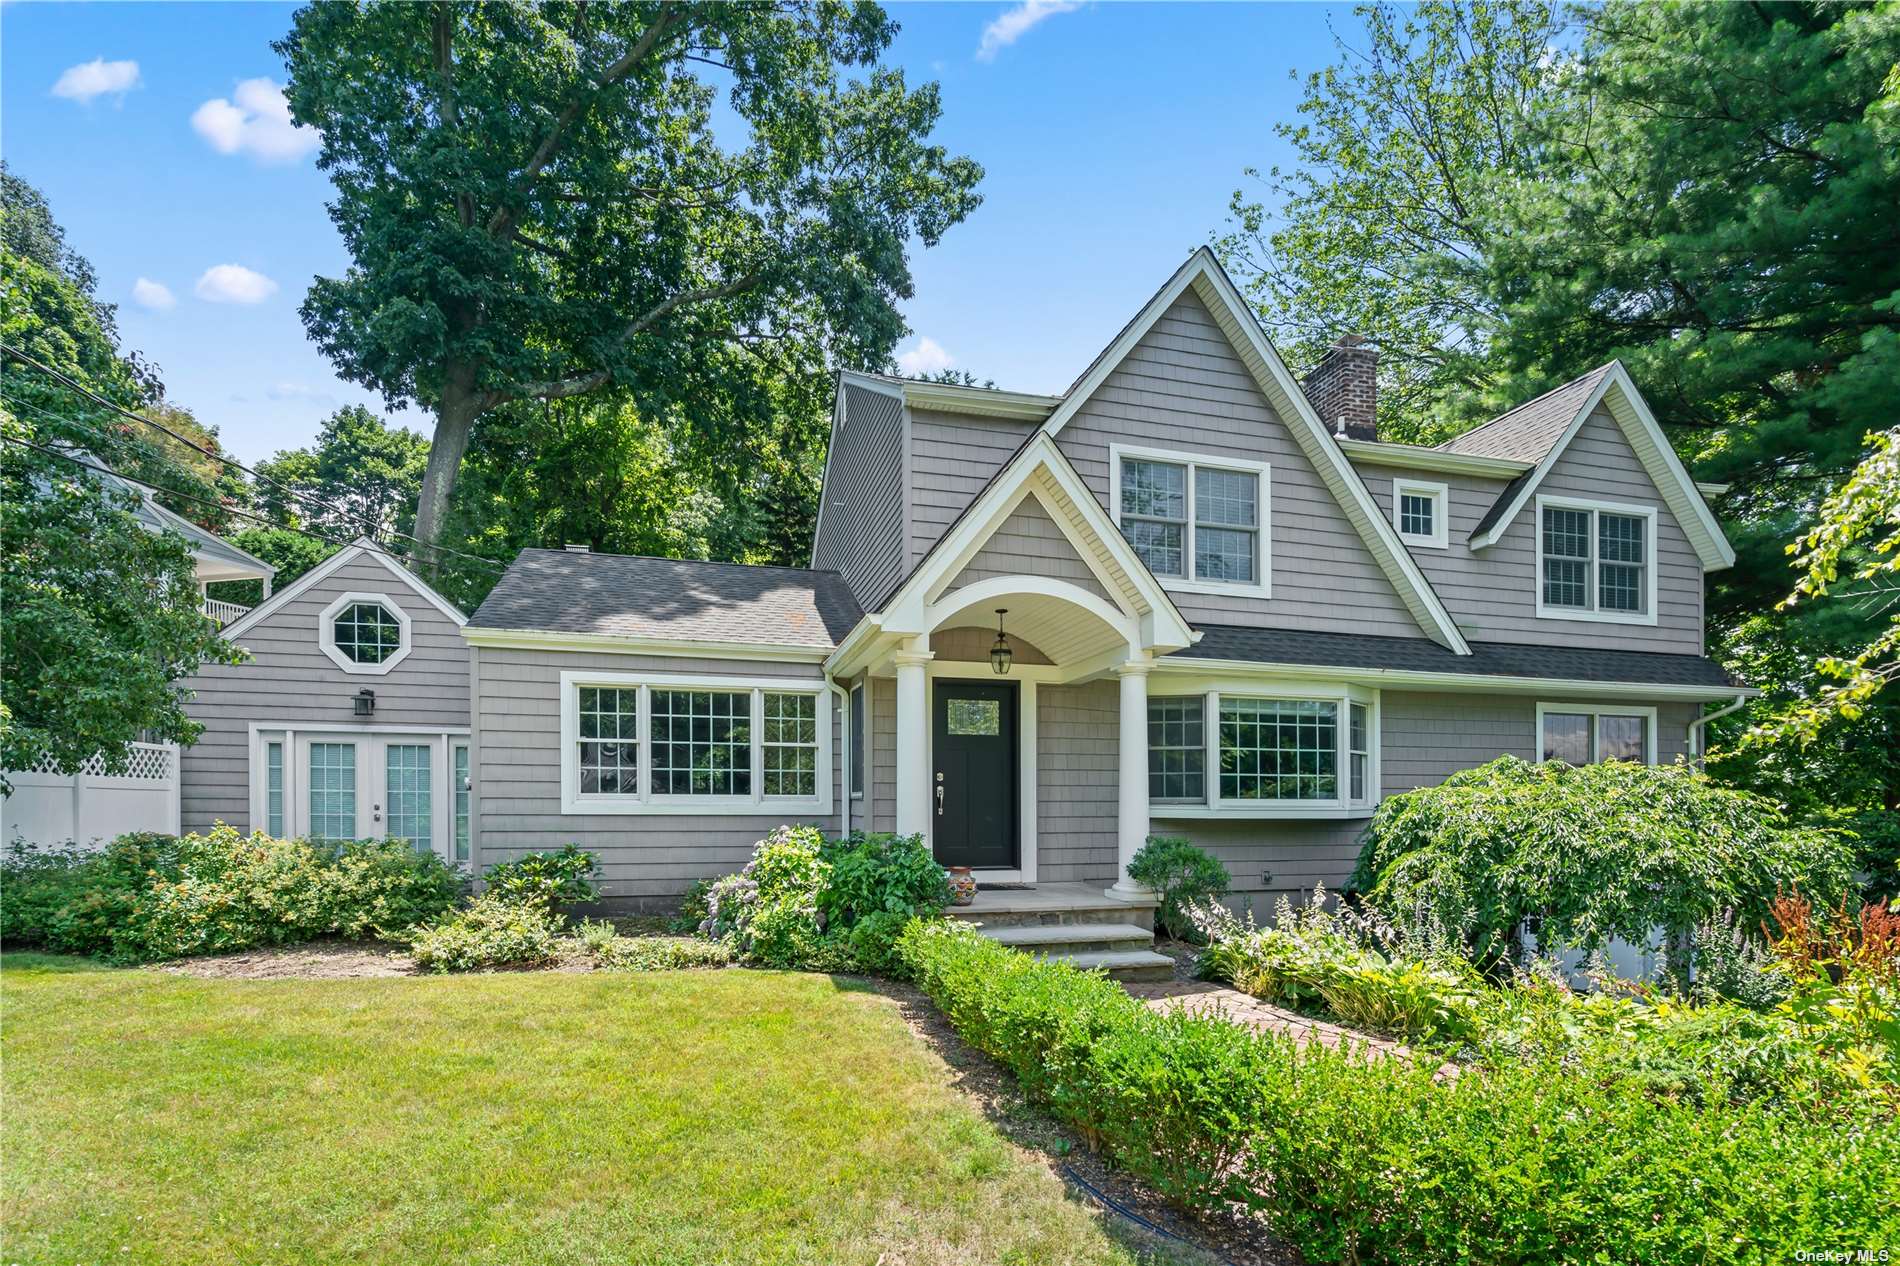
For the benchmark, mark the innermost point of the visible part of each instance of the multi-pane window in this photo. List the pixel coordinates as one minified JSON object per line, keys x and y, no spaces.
{"x":274,"y":790}
{"x":1417,"y":514}
{"x":1359,"y":749}
{"x":702,"y":742}
{"x":333,"y":791}
{"x":1594,"y":560}
{"x":411,"y":805}
{"x":1582,"y":737}
{"x":1279,"y":749}
{"x":1193,"y":522}
{"x":1154,"y":514}
{"x":860,"y":749}
{"x":366,"y":632}
{"x":464,"y":793}
{"x":1177,"y":749}
{"x":609,"y":741}
{"x":791,"y":745}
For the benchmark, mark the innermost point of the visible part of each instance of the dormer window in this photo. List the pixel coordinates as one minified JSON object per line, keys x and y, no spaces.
{"x":1596,"y":561}
{"x":1419,"y":511}
{"x":365,"y":633}
{"x":1200,"y":524}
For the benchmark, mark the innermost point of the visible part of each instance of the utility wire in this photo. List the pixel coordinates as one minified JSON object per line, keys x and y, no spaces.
{"x":374,"y":547}
{"x":214,"y":455}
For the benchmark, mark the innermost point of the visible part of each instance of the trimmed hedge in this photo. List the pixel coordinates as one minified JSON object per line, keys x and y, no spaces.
{"x":1371,"y":1161}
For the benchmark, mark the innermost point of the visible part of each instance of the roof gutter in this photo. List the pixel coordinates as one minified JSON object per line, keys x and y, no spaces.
{"x":1401,"y":678}
{"x":548,"y":639}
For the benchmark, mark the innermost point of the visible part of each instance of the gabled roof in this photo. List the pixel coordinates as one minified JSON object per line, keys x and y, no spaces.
{"x":206,"y":546}
{"x":675,"y":600}
{"x":362,"y":547}
{"x":1211,"y":284}
{"x":1553,"y":420}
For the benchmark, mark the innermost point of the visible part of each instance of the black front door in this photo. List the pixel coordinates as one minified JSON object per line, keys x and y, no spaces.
{"x":973,"y":787}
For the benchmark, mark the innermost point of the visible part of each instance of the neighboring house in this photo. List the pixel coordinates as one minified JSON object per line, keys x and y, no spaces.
{"x":1231,"y":612}
{"x":351,"y":718}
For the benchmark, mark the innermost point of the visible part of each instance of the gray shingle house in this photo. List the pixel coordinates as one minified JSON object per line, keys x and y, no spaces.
{"x":1229,"y":613}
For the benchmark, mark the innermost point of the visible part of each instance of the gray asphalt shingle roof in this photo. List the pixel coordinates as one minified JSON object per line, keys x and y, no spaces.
{"x":559,"y":591}
{"x":1492,"y":659}
{"x":1525,"y":433}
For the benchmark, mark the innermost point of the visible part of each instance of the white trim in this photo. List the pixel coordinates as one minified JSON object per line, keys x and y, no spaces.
{"x":982,"y":402}
{"x":858,"y":746}
{"x":326,"y":632}
{"x":1652,"y":448}
{"x":1651,"y":554}
{"x":1214,"y":288}
{"x":1262,"y":585}
{"x":984,"y":592}
{"x":1397,"y":678}
{"x":1441,"y":511}
{"x":1433,"y":460}
{"x":1342,"y":695}
{"x":362,"y":547}
{"x":1651,"y":738}
{"x":646,"y":802}
{"x":965,"y":670}
{"x":370,"y":775}
{"x":541,"y":639}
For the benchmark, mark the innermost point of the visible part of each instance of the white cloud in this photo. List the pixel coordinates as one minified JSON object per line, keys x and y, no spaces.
{"x":256,"y":121}
{"x":1014,"y":23}
{"x":234,"y":283}
{"x":301,"y":391}
{"x":97,"y":78}
{"x":153,"y":294}
{"x":928,"y":357}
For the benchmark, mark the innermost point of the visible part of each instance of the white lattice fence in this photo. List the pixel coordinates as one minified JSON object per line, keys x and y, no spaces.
{"x":93,"y":805}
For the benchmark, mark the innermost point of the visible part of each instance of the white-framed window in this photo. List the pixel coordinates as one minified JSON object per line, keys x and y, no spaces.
{"x":364,"y":782}
{"x":1596,"y":560}
{"x":1582,"y":734}
{"x":333,"y":791}
{"x":365,"y":633}
{"x":666,"y":743}
{"x":464,"y":804}
{"x":1201,"y":524}
{"x":1419,"y":512}
{"x":1263,"y":753}
{"x":274,"y":790}
{"x":860,"y":746}
{"x":407,"y":783}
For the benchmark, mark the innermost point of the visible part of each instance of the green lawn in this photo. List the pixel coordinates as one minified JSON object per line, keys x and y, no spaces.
{"x":728,"y":1116}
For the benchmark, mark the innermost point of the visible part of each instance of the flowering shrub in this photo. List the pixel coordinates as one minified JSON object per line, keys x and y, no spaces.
{"x":545,"y":879}
{"x":491,"y":932}
{"x":657,"y":953}
{"x":146,"y":896}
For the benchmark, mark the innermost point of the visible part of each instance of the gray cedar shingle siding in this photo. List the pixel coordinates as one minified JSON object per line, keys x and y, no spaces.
{"x":1182,"y":388}
{"x":953,"y":456}
{"x":644,"y":858}
{"x":1028,"y":543}
{"x":1492,"y":593}
{"x":863,"y":538}
{"x":291,"y":683}
{"x":1077,"y":775}
{"x":620,"y":595}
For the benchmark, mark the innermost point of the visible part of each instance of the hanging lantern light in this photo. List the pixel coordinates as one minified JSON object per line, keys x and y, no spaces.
{"x":1001,"y":656}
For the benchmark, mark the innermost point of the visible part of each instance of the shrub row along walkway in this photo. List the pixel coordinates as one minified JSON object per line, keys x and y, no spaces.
{"x":1198,"y":997}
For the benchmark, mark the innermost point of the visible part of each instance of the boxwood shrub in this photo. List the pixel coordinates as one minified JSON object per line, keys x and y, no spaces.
{"x":1357,"y":1159}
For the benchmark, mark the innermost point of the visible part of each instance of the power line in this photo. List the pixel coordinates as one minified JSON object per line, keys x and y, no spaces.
{"x":374,"y":547}
{"x":214,"y":455}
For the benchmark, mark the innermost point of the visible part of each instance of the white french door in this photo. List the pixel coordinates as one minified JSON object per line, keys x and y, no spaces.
{"x":350,"y":786}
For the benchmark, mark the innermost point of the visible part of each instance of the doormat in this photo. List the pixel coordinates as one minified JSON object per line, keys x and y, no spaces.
{"x":982,"y":887}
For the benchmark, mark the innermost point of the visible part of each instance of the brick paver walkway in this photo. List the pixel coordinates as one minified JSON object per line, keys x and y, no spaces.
{"x":1201,"y":998}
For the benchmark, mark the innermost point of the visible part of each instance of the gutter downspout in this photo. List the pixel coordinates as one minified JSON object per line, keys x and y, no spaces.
{"x":844,"y":775}
{"x":1697,"y":735}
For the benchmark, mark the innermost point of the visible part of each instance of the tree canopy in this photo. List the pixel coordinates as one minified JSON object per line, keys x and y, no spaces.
{"x":688,"y":203}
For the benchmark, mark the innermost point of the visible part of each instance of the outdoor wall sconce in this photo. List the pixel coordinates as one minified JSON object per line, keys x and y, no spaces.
{"x":365,"y":703}
{"x":1000,"y":655}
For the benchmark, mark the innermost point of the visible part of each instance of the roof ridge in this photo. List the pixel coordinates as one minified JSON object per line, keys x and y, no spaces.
{"x":697,"y":562}
{"x":1519,"y":408}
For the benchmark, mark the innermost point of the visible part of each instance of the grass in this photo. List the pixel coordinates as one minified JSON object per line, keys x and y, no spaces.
{"x":728,"y":1116}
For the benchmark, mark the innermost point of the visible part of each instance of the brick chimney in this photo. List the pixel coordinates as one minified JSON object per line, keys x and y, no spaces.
{"x":1344,"y":388}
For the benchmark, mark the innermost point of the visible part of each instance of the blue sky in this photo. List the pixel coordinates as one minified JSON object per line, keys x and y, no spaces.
{"x":1113,"y":135}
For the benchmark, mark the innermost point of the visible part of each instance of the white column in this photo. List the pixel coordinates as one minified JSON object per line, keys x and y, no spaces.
{"x":913,"y":744}
{"x":1131,"y":826}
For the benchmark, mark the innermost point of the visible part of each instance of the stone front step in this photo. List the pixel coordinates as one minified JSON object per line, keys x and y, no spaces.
{"x":1072,"y":938}
{"x":1126,"y":966}
{"x":1039,"y":907}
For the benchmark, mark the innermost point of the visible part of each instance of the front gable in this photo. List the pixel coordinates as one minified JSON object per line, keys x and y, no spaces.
{"x":1029,"y":543}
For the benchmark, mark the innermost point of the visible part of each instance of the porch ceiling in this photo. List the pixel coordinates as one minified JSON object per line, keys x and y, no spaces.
{"x":1064,"y":631}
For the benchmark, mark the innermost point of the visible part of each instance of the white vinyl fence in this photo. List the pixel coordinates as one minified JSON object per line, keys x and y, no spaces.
{"x":92,"y":806}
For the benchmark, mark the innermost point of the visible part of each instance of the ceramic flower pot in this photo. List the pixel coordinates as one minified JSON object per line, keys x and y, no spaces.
{"x":962,"y":885}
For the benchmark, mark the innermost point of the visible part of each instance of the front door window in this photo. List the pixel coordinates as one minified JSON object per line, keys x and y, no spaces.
{"x":973,"y":799}
{"x":411,"y":807}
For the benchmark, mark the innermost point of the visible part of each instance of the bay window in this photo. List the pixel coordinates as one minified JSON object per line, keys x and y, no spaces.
{"x":1596,"y":561}
{"x":658,"y":743}
{"x":1270,"y":754}
{"x":1199,"y":523}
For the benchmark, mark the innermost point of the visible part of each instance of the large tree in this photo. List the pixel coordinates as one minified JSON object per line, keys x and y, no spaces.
{"x":360,"y":478}
{"x":545,"y":200}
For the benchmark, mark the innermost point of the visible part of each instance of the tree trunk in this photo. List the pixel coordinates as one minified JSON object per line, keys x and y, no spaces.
{"x":454,"y":417}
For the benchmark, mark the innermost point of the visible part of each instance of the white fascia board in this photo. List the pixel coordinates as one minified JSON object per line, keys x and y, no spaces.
{"x":549,"y":640}
{"x":979,"y":401}
{"x":1658,"y":457}
{"x":1395,"y":679}
{"x":359,"y":548}
{"x":1412,"y":457}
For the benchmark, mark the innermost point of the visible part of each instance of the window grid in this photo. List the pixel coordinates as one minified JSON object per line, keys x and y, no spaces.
{"x":791,"y":745}
{"x":464,"y":795}
{"x":609,"y":741}
{"x":702,"y":742}
{"x":1416,"y":514}
{"x":1177,"y":749}
{"x":411,"y":808}
{"x":1621,"y":544}
{"x":333,"y":791}
{"x":274,"y":790}
{"x":1566,"y":536}
{"x":1594,"y":560}
{"x":366,"y":633}
{"x":1154,"y":514}
{"x":1226,"y":522}
{"x":1172,"y":512}
{"x":1359,"y":749}
{"x":1273,"y":749}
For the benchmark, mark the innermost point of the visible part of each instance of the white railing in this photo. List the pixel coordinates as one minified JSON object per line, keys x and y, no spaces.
{"x":92,"y":805}
{"x":223,"y":612}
